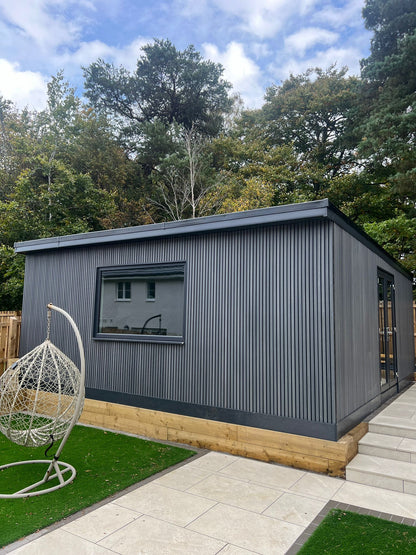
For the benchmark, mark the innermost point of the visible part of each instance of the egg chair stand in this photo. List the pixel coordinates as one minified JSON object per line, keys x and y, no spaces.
{"x":41,"y":399}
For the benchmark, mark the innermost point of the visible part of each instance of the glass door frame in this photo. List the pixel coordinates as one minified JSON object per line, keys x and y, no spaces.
{"x":387,"y":330}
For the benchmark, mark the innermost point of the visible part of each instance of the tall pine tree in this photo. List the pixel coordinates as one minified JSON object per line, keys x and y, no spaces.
{"x":389,"y":86}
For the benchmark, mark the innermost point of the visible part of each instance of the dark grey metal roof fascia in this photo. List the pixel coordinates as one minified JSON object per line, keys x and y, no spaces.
{"x":263,"y":216}
{"x":343,"y":221}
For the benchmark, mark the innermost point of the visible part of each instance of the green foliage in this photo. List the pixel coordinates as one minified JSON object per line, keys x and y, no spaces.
{"x":237,"y":196}
{"x":362,"y":199}
{"x":389,"y":91}
{"x":18,"y":144}
{"x":391,"y":21}
{"x":12,"y":269}
{"x":62,"y":109}
{"x":398,"y":237}
{"x":52,"y":200}
{"x":94,"y":151}
{"x":250,"y":169}
{"x":315,"y":112}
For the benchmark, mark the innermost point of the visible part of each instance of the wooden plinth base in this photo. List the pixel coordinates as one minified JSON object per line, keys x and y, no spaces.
{"x":266,"y":445}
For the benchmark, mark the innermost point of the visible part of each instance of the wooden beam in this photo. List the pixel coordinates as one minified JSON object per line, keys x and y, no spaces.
{"x":303,"y":452}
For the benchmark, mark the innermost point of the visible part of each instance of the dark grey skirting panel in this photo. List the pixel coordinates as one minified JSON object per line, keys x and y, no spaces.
{"x":276,"y":423}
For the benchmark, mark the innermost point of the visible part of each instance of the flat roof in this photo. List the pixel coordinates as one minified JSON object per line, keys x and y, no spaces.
{"x":314,"y":210}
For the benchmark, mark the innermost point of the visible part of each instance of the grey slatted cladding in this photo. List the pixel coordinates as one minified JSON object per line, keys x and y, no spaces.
{"x":259,"y":319}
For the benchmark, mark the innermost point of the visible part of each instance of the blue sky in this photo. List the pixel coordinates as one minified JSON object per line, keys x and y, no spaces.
{"x":259,"y":42}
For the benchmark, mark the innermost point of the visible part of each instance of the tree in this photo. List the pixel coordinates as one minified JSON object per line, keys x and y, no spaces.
{"x":362,"y":199}
{"x":398,"y":236}
{"x":256,"y":175}
{"x":52,"y":200}
{"x":56,"y":123}
{"x":168,"y":86}
{"x":237,"y":196}
{"x":83,"y":141}
{"x":6,"y":149}
{"x":315,"y":112}
{"x":389,"y":91}
{"x":391,"y":21}
{"x":18,"y":144}
{"x":12,"y":269}
{"x":183,"y":178}
{"x":95,"y":152}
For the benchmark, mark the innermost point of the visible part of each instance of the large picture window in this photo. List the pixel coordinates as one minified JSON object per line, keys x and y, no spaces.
{"x":162,"y":319}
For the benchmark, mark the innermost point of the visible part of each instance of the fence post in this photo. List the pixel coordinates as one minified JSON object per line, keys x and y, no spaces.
{"x":13,"y":339}
{"x":414,"y":326}
{"x":9,"y":338}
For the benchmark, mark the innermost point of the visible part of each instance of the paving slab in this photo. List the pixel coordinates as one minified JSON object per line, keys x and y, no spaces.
{"x":296,"y":509}
{"x":169,"y":505}
{"x":98,"y":524}
{"x":377,"y":499}
{"x":248,"y":530}
{"x":243,"y":495}
{"x":157,"y":537}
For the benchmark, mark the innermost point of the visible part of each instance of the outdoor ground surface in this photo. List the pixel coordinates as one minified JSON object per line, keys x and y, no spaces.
{"x":105,"y":462}
{"x":346,"y":533}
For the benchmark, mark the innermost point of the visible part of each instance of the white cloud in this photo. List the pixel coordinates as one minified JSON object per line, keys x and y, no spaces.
{"x":128,"y":55}
{"x":305,"y":39}
{"x":349,"y":14}
{"x":40,"y":21}
{"x":261,"y":18}
{"x":86,"y":53}
{"x":24,"y":88}
{"x":260,"y":49}
{"x":190,"y":8}
{"x":325,"y":58}
{"x":89,"y":52}
{"x":240,"y":70}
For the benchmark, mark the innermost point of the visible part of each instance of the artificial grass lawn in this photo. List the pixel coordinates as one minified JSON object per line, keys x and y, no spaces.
{"x":105,"y":462}
{"x":343,"y":532}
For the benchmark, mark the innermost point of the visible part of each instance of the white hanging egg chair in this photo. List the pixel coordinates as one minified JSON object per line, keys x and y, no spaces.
{"x":41,"y":399}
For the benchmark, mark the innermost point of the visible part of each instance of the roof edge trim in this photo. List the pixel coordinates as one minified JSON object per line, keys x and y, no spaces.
{"x":285,"y":213}
{"x":234,"y":220}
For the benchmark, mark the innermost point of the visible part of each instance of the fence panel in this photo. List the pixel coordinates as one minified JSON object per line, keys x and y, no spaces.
{"x":10,"y":323}
{"x":414,"y":325}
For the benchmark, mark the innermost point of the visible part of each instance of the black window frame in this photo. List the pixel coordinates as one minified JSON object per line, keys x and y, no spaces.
{"x":390,"y":341}
{"x":124,"y":272}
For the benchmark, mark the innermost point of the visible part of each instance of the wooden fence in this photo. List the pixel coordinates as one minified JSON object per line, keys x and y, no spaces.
{"x":414,"y":325}
{"x":9,"y":338}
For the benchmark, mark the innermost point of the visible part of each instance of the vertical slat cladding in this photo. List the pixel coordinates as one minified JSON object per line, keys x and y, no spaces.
{"x":356,"y":322}
{"x":258,"y":319}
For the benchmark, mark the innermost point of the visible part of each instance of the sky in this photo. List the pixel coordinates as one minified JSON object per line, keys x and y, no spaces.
{"x":258,"y":42}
